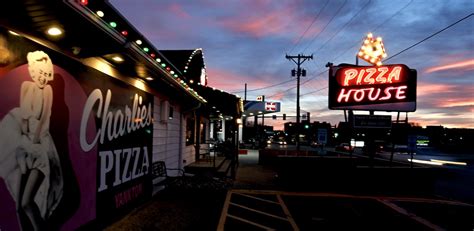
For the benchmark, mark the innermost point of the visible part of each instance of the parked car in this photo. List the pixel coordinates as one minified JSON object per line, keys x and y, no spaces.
{"x":344,"y":147}
{"x":279,"y":140}
{"x":315,"y":144}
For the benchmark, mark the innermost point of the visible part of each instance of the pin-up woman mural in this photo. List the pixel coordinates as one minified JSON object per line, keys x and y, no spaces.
{"x":29,"y":162}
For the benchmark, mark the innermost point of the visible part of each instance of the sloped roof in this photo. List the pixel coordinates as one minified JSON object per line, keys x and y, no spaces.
{"x":189,"y":62}
{"x":220,"y":102}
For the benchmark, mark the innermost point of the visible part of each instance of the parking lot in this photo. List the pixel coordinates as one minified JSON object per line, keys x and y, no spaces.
{"x":276,"y":210}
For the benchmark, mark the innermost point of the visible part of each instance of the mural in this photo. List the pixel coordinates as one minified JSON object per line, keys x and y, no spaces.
{"x":75,"y":144}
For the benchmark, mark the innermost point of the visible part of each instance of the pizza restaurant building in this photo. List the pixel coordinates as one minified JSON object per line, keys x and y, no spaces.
{"x":87,"y":105}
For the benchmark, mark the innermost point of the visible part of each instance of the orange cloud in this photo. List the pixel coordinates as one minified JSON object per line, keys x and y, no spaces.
{"x":230,"y":81}
{"x":441,"y":119}
{"x":425,"y":123}
{"x":278,"y":96}
{"x":461,"y":65}
{"x":266,"y":21}
{"x":178,"y":10}
{"x":263,"y":25}
{"x":427,"y":88}
{"x":457,"y":103}
{"x":445,"y":96}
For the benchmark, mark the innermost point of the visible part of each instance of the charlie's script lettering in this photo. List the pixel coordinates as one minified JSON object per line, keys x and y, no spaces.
{"x":113,"y":124}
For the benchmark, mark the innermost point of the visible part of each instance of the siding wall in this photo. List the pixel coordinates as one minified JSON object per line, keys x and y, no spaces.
{"x":166,"y":138}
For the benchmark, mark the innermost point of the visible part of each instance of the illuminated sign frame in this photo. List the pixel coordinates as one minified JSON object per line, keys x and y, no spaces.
{"x":258,"y":107}
{"x":271,"y":106}
{"x":373,"y":88}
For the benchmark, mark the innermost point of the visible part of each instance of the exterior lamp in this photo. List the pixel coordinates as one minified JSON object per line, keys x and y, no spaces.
{"x":117,"y":59}
{"x":54,"y":31}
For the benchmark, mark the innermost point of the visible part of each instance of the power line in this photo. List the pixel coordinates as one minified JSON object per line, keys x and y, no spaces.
{"x":310,"y":25}
{"x":262,"y":88}
{"x":393,"y":15}
{"x":347,"y":23}
{"x":423,"y":40}
{"x":271,"y":96}
{"x":317,"y":16}
{"x":291,"y":88}
{"x":334,"y":16}
{"x":311,"y":92}
{"x":294,"y":46}
{"x":376,"y":28}
{"x":276,"y":84}
{"x":286,"y":81}
{"x":460,"y":20}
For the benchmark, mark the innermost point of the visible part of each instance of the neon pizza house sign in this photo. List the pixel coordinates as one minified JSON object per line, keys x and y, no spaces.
{"x":379,"y":88}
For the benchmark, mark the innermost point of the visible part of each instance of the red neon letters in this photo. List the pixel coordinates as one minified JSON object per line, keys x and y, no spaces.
{"x":372,"y":94}
{"x":372,"y":84}
{"x":370,"y":75}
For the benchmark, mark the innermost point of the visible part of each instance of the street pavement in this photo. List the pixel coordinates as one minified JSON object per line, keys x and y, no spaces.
{"x":458,"y":181}
{"x":280,"y":210}
{"x":258,"y":201}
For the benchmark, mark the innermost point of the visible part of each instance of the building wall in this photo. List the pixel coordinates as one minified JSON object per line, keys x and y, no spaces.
{"x":96,"y":137}
{"x":166,"y":136}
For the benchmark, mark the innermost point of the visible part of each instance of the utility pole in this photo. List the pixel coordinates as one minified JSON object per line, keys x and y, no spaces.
{"x":263,"y":115}
{"x":245,"y":92}
{"x":298,"y":60}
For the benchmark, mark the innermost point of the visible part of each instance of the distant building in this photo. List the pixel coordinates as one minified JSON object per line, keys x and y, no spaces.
{"x":308,"y":131}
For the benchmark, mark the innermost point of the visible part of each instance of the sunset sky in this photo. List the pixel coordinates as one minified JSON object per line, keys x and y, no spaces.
{"x":245,"y":41}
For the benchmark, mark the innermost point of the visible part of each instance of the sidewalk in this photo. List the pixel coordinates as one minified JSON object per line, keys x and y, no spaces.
{"x":174,"y":212}
{"x":188,"y":211}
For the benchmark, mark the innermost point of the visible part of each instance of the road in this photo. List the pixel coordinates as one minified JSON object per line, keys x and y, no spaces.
{"x":456,"y":182}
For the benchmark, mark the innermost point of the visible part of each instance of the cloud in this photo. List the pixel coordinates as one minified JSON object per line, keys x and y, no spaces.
{"x":424,"y":89}
{"x":178,"y":10}
{"x":267,"y":19}
{"x":458,"y":102}
{"x":245,"y":42}
{"x":231,"y":81}
{"x":261,"y":26}
{"x":466,"y":65}
{"x":278,"y":96}
{"x":446,"y":122}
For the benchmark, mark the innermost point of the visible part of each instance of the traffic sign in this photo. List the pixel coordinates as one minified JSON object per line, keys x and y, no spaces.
{"x":322,"y":136}
{"x":411,"y":144}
